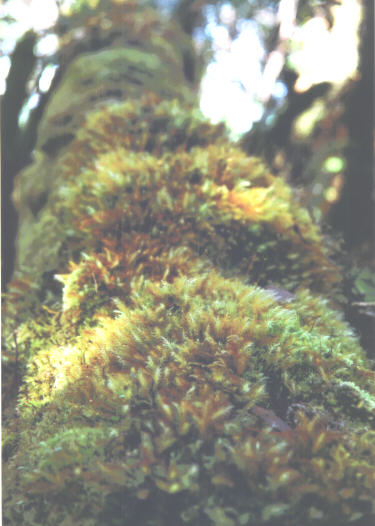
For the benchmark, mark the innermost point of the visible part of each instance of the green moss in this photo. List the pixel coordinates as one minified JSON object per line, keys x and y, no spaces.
{"x":168,"y":386}
{"x":162,"y":383}
{"x":136,"y":165}
{"x":92,"y":78}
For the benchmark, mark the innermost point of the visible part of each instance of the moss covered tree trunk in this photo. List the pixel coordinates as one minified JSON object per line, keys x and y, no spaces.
{"x":171,"y":322}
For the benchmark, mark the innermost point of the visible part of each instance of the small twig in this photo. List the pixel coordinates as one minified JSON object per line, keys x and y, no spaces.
{"x":363,"y":304}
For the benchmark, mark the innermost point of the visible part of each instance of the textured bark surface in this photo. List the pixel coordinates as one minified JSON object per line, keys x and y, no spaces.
{"x":171,"y":324}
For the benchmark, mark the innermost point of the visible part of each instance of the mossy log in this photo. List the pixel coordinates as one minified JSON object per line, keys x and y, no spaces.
{"x":173,"y":320}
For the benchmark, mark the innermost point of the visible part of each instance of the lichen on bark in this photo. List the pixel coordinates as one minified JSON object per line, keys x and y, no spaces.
{"x":164,"y":381}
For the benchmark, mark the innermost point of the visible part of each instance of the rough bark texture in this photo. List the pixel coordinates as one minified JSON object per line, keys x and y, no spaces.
{"x":192,"y":369}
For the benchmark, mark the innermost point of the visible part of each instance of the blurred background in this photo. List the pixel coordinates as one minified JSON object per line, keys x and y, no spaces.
{"x":292,"y":80}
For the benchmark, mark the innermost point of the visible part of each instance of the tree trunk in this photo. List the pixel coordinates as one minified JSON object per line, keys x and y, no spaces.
{"x":190,"y":370}
{"x":13,"y":157}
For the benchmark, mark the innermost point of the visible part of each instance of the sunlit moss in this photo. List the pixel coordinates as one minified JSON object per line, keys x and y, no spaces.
{"x":167,"y":385}
{"x":163,"y":380}
{"x":136,"y":165}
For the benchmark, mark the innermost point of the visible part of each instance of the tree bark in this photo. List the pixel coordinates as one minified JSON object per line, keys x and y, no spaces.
{"x":13,"y":156}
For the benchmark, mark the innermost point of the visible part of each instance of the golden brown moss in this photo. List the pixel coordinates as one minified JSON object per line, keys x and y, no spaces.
{"x":158,"y":400}
{"x":163,"y":385}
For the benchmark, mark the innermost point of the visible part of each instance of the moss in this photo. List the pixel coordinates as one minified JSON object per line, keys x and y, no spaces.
{"x":163,"y":380}
{"x":108,"y":74}
{"x":168,"y":385}
{"x":136,"y":165}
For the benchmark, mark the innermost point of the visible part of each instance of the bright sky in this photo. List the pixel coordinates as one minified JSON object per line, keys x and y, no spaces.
{"x":230,"y":86}
{"x":321,"y":55}
{"x":228,"y":89}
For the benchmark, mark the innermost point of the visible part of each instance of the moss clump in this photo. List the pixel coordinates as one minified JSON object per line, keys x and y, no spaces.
{"x":165,"y":403}
{"x":152,"y":170}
